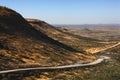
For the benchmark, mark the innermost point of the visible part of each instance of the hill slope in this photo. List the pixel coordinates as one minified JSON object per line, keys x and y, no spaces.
{"x":77,"y":42}
{"x":22,"y":45}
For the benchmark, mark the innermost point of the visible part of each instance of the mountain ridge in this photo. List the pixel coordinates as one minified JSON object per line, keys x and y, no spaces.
{"x":20,"y":43}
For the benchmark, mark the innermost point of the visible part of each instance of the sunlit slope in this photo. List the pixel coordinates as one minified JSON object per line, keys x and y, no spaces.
{"x":77,"y":42}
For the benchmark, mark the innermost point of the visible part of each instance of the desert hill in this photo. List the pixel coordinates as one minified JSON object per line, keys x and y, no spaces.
{"x":23,"y":45}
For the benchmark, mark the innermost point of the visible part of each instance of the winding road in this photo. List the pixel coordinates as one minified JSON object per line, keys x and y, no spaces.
{"x":102,"y":58}
{"x":106,"y":48}
{"x":57,"y":67}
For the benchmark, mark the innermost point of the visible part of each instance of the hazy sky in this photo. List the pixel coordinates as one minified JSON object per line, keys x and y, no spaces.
{"x":68,"y":11}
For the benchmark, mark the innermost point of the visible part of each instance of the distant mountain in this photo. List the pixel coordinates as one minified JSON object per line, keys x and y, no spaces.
{"x":86,"y":25}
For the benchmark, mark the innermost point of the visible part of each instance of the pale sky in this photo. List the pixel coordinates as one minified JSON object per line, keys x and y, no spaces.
{"x":68,"y":11}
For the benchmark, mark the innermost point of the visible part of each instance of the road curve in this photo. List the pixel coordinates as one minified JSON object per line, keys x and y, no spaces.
{"x":106,"y":48}
{"x":57,"y":67}
{"x":102,"y":58}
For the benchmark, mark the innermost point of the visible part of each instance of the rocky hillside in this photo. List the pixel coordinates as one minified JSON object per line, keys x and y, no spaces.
{"x":64,"y":36}
{"x":22,"y":45}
